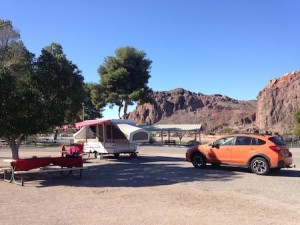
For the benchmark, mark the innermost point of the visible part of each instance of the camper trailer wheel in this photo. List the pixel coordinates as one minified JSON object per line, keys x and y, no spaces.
{"x":133,"y":155}
{"x":117,"y":155}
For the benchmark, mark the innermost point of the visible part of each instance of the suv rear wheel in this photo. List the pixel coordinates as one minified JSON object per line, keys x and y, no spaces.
{"x":260,"y":166}
{"x":198,"y":160}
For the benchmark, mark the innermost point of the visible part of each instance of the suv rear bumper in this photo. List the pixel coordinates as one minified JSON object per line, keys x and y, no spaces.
{"x":285,"y":163}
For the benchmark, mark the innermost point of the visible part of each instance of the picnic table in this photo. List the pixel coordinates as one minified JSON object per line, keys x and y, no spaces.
{"x":20,"y":167}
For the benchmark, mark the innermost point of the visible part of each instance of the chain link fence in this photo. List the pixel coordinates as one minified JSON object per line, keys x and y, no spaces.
{"x":291,"y":141}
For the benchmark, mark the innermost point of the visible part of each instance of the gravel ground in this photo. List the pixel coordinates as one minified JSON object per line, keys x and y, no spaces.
{"x":157,"y":187}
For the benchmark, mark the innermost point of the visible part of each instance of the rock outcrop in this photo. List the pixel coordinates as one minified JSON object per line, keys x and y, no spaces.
{"x":277,"y":102}
{"x":181,"y":106}
{"x":273,"y":110}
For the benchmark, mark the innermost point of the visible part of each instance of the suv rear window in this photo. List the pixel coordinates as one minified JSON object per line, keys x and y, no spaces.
{"x":257,"y":141}
{"x":276,"y":141}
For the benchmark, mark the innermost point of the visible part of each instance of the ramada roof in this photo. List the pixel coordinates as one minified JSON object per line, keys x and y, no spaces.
{"x":172,"y":127}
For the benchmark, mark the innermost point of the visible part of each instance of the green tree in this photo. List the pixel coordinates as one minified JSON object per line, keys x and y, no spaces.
{"x":297,"y":130}
{"x":297,"y":116}
{"x":93,"y":102}
{"x":297,"y":119}
{"x":17,"y":102}
{"x":8,"y":35}
{"x":34,"y":96}
{"x":124,"y":79}
{"x":61,"y":86}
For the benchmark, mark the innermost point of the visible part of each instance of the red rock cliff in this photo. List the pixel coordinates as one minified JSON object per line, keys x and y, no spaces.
{"x":277,"y":102}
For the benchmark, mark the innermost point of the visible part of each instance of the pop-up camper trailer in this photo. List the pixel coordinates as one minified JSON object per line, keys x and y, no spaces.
{"x":110,"y":136}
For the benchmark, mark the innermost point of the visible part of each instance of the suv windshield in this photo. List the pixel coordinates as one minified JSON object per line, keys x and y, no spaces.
{"x":276,"y":141}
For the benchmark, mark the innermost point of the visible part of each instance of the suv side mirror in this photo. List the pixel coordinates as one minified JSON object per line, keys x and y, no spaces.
{"x":215,"y":145}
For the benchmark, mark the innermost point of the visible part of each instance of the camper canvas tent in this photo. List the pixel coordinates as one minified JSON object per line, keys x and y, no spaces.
{"x":110,"y":136}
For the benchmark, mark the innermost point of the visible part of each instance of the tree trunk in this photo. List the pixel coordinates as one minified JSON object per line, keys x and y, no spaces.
{"x":15,"y":151}
{"x":125,"y":116}
{"x":14,"y":146}
{"x":119,"y":110}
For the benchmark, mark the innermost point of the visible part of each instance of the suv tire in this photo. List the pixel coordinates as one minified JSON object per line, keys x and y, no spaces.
{"x":198,"y":160}
{"x":260,"y":166}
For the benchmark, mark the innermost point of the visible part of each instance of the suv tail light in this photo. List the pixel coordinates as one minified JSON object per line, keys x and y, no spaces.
{"x":275,"y":148}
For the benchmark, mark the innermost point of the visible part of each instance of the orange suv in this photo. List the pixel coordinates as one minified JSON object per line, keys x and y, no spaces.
{"x":258,"y":152}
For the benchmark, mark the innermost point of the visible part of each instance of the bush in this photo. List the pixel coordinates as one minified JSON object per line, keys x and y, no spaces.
{"x":297,"y":130}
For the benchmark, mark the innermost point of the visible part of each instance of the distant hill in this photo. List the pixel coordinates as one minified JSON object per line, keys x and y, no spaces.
{"x":214,"y":112}
{"x":273,"y":110}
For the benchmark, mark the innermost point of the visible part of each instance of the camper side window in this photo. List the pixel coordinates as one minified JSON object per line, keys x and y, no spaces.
{"x":113,"y":132}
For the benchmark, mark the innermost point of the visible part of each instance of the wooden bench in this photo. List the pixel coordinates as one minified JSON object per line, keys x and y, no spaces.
{"x":41,"y":170}
{"x":170,"y":142}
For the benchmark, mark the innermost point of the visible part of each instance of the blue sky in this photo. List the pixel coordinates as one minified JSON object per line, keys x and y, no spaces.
{"x":229,"y":47}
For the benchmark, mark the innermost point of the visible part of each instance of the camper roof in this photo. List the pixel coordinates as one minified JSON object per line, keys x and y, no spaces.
{"x":102,"y":121}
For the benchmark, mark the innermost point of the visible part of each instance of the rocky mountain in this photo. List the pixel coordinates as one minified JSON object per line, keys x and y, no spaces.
{"x":180,"y":106}
{"x":277,"y":102}
{"x":273,"y":110}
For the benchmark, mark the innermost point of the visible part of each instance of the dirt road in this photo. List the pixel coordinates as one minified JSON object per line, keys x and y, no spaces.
{"x":158,"y":187}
